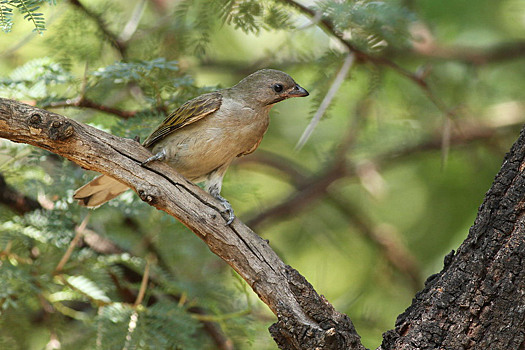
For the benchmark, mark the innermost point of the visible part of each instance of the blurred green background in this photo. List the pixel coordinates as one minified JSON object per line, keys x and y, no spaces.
{"x":387,"y":185}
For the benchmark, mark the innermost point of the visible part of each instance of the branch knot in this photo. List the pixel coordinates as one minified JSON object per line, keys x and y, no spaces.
{"x":57,"y":129}
{"x":146,"y":197}
{"x":35,"y":119}
{"x":60,"y":130}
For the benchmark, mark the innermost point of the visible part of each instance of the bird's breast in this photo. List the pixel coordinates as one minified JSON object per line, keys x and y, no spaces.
{"x":201,"y":147}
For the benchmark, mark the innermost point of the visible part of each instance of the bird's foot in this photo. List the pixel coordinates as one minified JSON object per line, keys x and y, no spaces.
{"x":228,"y":207}
{"x":159,"y":156}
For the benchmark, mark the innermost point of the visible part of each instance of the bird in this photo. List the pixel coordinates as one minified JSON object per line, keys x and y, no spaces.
{"x":202,"y":137}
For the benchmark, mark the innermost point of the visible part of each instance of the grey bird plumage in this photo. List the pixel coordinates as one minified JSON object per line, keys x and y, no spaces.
{"x":201,"y":138}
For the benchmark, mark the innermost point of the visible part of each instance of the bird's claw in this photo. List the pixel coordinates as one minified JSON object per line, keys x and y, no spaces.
{"x":159,"y":156}
{"x":231,"y":216}
{"x":228,"y":209}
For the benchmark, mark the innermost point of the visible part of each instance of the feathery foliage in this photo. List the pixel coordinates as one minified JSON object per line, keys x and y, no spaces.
{"x":179,"y":50}
{"x":37,"y":79}
{"x":370,"y":24}
{"x":28,"y":8}
{"x":6,"y":16}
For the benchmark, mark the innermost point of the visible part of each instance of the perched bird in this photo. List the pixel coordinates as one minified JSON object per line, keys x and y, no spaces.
{"x":202,"y":137}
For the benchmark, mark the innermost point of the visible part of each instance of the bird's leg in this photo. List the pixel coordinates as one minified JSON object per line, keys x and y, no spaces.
{"x":213,"y":187}
{"x":227,"y":206}
{"x":159,"y":156}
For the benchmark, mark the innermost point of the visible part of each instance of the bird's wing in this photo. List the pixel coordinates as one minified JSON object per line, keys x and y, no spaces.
{"x":188,"y":113}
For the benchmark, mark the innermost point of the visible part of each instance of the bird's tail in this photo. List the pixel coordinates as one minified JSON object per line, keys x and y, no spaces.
{"x":98,"y":191}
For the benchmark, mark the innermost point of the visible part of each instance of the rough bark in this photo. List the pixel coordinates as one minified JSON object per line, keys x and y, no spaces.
{"x":305,"y":319}
{"x":478,"y":300}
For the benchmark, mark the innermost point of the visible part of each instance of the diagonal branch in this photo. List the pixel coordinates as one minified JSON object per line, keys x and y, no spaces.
{"x":312,"y":188}
{"x":339,"y":78}
{"x":306,"y":320}
{"x":115,"y":41}
{"x":363,"y":56}
{"x":83,"y":102}
{"x":18,"y":202}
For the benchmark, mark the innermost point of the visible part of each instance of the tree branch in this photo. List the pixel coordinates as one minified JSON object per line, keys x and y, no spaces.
{"x":83,"y":102}
{"x":116,"y":42}
{"x":336,"y":84}
{"x":15,"y":200}
{"x":310,"y":189}
{"x":426,"y":46}
{"x":306,"y":320}
{"x":473,"y":55}
{"x":362,"y":56}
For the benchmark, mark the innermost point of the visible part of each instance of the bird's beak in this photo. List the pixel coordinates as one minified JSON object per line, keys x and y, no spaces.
{"x":298,"y":91}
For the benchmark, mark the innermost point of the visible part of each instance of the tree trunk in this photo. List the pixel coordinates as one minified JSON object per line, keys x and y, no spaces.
{"x":476,"y":302}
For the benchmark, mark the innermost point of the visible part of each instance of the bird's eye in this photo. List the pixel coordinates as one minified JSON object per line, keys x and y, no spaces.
{"x":277,"y":87}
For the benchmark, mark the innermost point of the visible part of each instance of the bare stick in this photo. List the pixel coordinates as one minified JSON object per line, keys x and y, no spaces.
{"x":79,"y":231}
{"x":339,"y":78}
{"x":143,"y":285}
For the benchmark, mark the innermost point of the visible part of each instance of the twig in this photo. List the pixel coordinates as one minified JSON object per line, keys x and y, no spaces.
{"x":365,"y":57}
{"x":82,"y":102}
{"x":132,"y":325}
{"x":133,"y":23}
{"x":304,"y":196}
{"x":339,"y":78}
{"x":143,"y":284}
{"x":79,"y":231}
{"x":119,"y":45}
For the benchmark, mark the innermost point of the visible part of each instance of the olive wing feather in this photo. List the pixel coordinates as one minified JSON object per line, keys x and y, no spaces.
{"x":188,"y":113}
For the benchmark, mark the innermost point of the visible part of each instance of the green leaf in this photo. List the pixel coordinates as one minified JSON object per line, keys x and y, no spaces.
{"x":124,"y":72}
{"x":88,"y":287}
{"x":28,"y":8}
{"x":6,"y":17}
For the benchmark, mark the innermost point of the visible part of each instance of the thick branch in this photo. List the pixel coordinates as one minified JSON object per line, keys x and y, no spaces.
{"x":305,"y":319}
{"x":15,"y":200}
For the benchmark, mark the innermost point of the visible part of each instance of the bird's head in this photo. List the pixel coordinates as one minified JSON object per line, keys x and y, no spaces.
{"x":269,"y":86}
